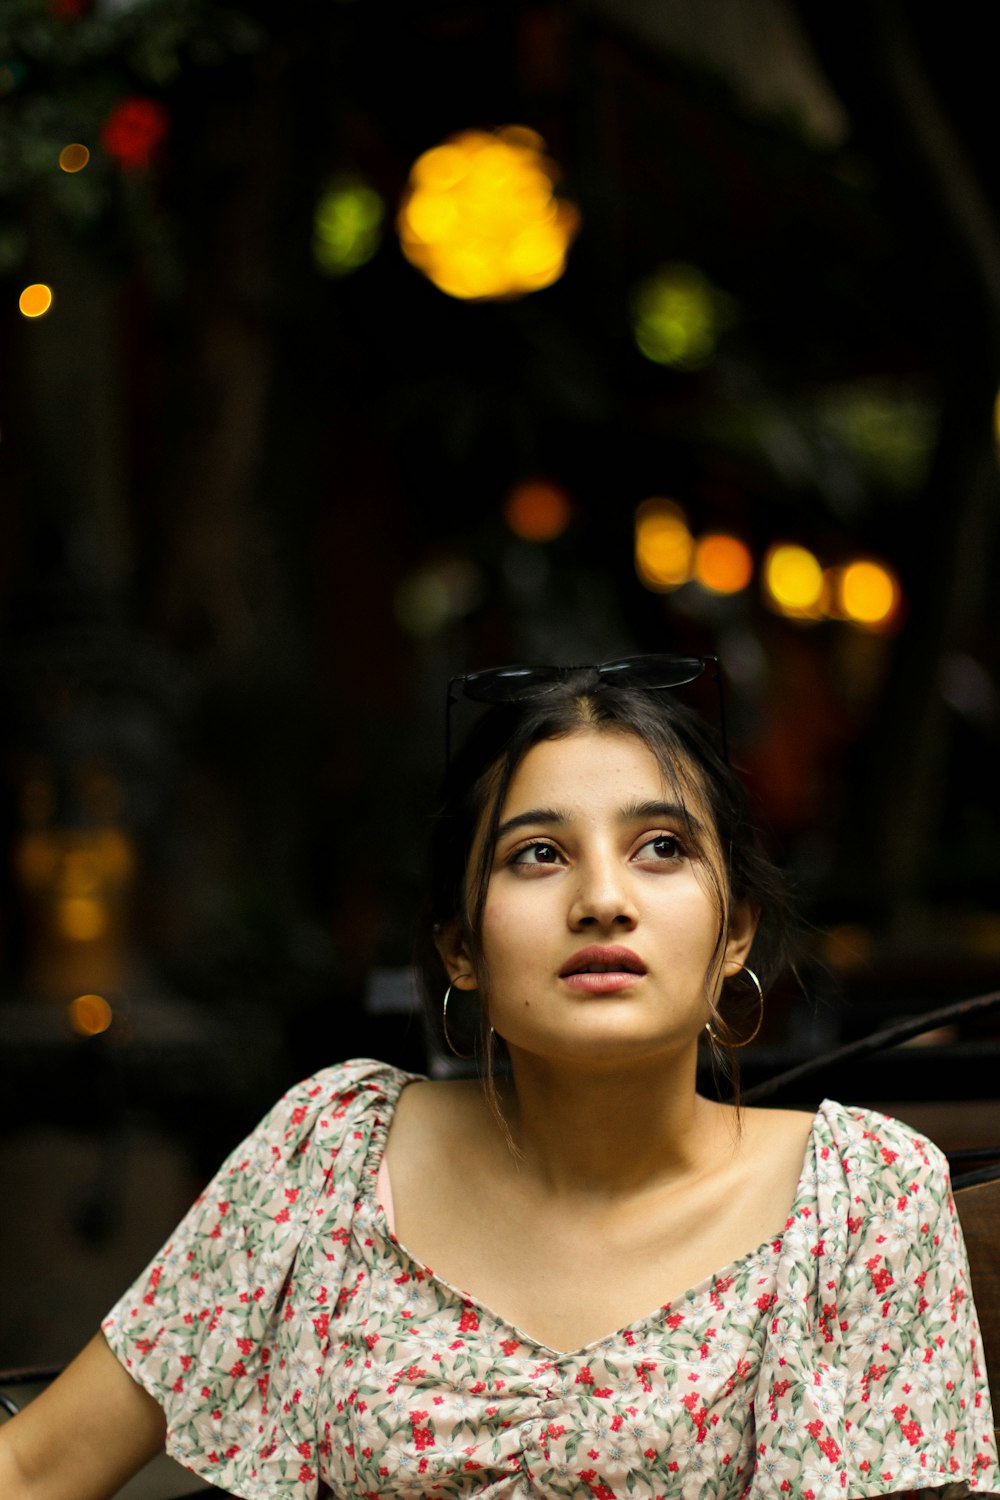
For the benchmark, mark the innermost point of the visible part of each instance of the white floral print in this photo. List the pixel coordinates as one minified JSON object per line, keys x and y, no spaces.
{"x":298,"y":1349}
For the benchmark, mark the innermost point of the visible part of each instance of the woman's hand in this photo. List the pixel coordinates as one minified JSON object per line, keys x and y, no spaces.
{"x":84,"y":1436}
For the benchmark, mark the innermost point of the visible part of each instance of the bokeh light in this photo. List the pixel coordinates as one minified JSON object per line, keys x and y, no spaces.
{"x":793,"y":581}
{"x":347,"y":226}
{"x":868,"y":594}
{"x":437,"y":594}
{"x":89,"y":1015}
{"x":678,"y":315}
{"x":663,"y":545}
{"x":82,"y":919}
{"x":74,"y":158}
{"x":35,"y":300}
{"x":888,"y":430}
{"x":537,"y":510}
{"x":134,"y":131}
{"x":480,"y":217}
{"x":722,"y":564}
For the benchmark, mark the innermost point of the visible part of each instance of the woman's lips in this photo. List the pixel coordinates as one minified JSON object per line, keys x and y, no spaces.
{"x":606,"y":983}
{"x":602,"y":969}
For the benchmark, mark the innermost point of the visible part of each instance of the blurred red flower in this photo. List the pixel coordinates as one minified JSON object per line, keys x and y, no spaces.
{"x":133,"y":130}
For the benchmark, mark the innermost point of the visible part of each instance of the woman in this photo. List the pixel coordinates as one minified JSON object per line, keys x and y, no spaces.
{"x":636,"y":1291}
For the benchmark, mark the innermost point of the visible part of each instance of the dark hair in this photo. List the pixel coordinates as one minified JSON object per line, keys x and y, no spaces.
{"x":477,"y":782}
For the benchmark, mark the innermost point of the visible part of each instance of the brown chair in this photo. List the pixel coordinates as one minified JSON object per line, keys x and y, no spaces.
{"x":978,"y":1204}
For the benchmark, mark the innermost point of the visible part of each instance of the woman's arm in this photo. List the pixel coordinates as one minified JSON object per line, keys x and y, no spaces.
{"x":84,"y":1436}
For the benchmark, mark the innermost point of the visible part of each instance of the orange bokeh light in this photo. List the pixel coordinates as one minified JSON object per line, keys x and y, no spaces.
{"x":537,"y":510}
{"x":89,"y":1015}
{"x":868,"y":594}
{"x":35,"y":300}
{"x":722,"y":563}
{"x":74,"y":158}
{"x":663,"y":544}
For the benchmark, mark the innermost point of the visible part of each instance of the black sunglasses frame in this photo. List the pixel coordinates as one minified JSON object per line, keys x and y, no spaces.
{"x":525,"y":684}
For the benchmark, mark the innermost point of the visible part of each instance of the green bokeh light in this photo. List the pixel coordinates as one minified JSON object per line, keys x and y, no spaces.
{"x":678,"y":316}
{"x":347,"y":227}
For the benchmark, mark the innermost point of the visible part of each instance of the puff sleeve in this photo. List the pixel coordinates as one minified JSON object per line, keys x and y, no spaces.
{"x":873,"y":1380}
{"x":227,"y":1327}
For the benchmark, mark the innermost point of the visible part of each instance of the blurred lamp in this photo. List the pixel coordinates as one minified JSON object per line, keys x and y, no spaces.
{"x":480,"y":217}
{"x":347,"y":226}
{"x":793,"y":582}
{"x":89,"y":1015}
{"x":677,"y":316}
{"x":663,"y":545}
{"x":74,"y":158}
{"x":868,"y":594}
{"x":537,"y":510}
{"x":722,"y":564}
{"x":35,"y":300}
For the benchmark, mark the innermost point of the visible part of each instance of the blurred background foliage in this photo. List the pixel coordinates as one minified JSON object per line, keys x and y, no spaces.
{"x":266,"y":486}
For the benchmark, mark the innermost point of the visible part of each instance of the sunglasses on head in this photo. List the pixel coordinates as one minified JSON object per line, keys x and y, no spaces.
{"x":525,"y":684}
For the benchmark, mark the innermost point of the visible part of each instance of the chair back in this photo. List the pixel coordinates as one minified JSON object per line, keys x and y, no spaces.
{"x":978,"y":1205}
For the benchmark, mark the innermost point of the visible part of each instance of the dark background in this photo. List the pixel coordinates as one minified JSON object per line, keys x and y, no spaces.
{"x":227,"y":476}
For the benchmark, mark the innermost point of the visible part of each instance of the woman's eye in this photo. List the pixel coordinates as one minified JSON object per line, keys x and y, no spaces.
{"x":535,"y":854}
{"x":663,"y":848}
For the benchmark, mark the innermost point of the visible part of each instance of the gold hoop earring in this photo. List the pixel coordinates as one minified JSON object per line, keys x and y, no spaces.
{"x":735,"y":1046}
{"x":465,"y":1056}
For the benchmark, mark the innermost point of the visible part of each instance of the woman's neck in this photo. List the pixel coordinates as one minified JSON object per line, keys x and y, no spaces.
{"x":606,"y":1132}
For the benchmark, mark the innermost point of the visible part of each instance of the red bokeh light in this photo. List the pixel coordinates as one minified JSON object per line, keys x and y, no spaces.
{"x":133,"y":131}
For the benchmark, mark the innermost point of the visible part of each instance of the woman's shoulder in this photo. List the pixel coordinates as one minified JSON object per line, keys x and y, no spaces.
{"x":356,"y":1084}
{"x":319,"y":1114}
{"x":873,"y":1140}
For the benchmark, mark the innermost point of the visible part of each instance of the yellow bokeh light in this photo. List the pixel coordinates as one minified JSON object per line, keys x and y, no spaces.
{"x":722,"y":564}
{"x":678,"y":315}
{"x":480,"y":217}
{"x":537,"y":510}
{"x":74,"y":158}
{"x":793,"y":581}
{"x":89,"y":1015}
{"x":35,"y":300}
{"x":663,"y":545}
{"x":868,"y":594}
{"x":82,"y":919}
{"x":346,"y":226}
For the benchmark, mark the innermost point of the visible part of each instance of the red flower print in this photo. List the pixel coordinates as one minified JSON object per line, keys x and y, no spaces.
{"x":584,"y":1377}
{"x":469,"y":1320}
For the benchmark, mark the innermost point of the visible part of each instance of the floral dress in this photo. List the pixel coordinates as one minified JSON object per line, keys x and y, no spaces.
{"x":298,"y":1348}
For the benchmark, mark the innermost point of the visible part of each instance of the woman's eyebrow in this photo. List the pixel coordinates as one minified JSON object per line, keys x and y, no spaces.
{"x":670,"y":812}
{"x":533,"y":815}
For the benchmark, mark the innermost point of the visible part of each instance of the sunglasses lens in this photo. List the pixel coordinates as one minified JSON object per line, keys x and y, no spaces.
{"x":654,"y":671}
{"x":509,"y":684}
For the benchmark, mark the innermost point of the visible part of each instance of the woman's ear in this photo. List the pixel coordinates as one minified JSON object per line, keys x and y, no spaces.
{"x":449,"y":940}
{"x":742,"y":930}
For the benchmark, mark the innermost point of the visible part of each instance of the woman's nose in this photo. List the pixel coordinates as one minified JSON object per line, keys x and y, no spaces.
{"x":602,"y":897}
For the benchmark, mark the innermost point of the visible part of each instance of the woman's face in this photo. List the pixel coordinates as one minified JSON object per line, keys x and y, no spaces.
{"x":600,"y":923}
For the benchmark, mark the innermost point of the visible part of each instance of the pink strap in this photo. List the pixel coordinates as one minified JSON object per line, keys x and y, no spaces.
{"x":383,"y":1192}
